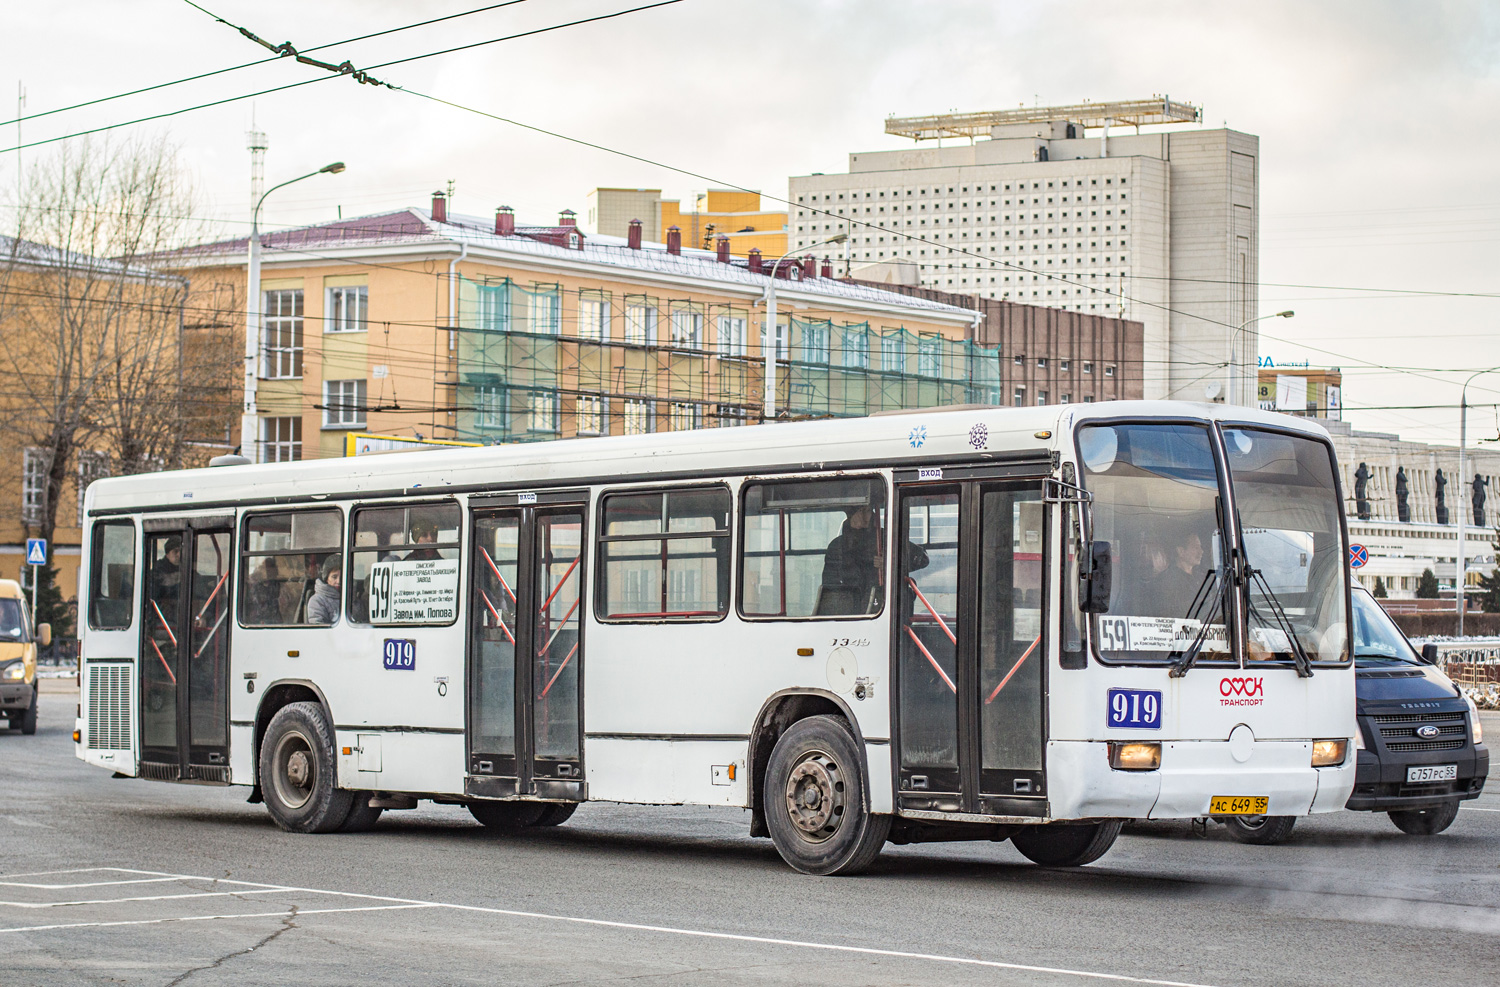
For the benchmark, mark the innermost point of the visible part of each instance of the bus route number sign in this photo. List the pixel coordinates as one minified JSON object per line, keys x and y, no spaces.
{"x":400,"y":654}
{"x":1135,"y":709}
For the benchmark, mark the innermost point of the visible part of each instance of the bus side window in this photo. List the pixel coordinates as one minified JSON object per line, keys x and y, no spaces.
{"x":665,"y":555}
{"x":814,"y":548}
{"x":420,"y":533}
{"x":112,"y":576}
{"x":282,"y":559}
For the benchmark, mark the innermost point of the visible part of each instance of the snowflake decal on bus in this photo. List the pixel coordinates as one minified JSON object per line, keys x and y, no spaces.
{"x":918,"y":436}
{"x":979,"y":435}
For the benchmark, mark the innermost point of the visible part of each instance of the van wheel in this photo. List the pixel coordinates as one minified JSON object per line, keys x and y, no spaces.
{"x":298,"y":776}
{"x":815,"y":803}
{"x":27,"y":720}
{"x":556,"y":813}
{"x":507,"y":816}
{"x":1066,"y":844}
{"x":1260,"y":830}
{"x":1425,"y":822}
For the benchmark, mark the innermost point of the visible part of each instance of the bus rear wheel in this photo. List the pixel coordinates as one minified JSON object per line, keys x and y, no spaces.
{"x":1425,"y":822}
{"x":815,"y":804}
{"x":298,"y":775}
{"x":1066,"y":844}
{"x":508,"y":816}
{"x":1260,"y":830}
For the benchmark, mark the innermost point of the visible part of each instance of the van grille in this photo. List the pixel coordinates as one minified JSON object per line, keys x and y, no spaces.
{"x":111,"y":709}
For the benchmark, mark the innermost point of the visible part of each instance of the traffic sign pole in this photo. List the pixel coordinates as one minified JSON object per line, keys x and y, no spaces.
{"x":36,"y":557}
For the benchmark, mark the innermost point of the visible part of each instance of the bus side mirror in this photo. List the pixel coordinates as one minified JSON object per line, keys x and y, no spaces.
{"x":1093,"y":593}
{"x":1430,"y":653}
{"x":44,"y":635}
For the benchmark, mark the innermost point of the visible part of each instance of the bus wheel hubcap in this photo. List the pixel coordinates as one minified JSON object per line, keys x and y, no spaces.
{"x":298,"y":772}
{"x":815,"y":796}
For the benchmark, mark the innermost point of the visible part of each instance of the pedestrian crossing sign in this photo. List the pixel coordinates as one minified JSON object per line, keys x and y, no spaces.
{"x":36,"y":551}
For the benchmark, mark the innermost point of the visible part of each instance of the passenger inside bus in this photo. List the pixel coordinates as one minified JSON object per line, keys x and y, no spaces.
{"x":323,"y":606}
{"x":423,"y":534}
{"x":166,"y":574}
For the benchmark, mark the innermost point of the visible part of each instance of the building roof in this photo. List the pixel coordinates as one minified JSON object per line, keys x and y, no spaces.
{"x":15,"y":252}
{"x":400,"y":231}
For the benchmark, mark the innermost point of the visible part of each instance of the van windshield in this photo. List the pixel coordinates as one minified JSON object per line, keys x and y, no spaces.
{"x":1377,"y":639}
{"x":13,"y":622}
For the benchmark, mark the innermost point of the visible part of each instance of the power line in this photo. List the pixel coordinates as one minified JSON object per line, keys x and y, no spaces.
{"x":308,"y":82}
{"x":262,"y":61}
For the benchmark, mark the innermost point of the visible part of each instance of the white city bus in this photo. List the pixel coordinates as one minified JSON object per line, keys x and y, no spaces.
{"x":972,"y":623}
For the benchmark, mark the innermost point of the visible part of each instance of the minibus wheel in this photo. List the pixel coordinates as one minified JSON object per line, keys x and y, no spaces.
{"x":815,"y":804}
{"x":556,"y":813}
{"x":27,"y":720}
{"x":362,"y":816}
{"x":1425,"y":822}
{"x":1259,"y":830}
{"x":298,"y":775}
{"x":1066,"y":844}
{"x":507,"y":815}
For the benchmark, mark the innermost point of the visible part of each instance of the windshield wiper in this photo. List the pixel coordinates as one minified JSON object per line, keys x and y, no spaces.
{"x":1209,"y":589}
{"x":1299,"y":656}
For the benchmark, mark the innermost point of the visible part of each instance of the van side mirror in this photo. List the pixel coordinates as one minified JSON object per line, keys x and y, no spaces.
{"x":1094,"y":585}
{"x":44,"y":635}
{"x":1430,"y":653}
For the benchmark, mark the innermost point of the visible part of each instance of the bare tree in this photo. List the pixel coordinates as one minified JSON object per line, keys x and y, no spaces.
{"x":94,"y":340}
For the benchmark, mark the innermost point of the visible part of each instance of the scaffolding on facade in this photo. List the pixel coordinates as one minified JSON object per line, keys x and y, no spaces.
{"x":1125,"y":113}
{"x":638,"y":363}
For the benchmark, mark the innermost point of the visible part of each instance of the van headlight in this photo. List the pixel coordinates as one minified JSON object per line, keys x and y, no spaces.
{"x":15,"y":671}
{"x":1329,"y":753}
{"x":1477,"y":727}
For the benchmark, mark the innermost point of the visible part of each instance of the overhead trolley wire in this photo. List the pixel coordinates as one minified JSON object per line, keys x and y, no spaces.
{"x":325,"y":78}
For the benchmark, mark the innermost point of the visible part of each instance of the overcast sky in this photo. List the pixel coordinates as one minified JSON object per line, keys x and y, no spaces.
{"x":1380,"y":152}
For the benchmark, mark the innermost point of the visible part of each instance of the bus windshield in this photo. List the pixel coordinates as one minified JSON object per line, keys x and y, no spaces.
{"x":1293,"y":542}
{"x":1156,"y":502}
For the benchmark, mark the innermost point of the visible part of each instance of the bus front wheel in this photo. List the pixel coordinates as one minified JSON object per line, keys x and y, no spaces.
{"x":298,"y":775}
{"x":1066,"y":844}
{"x":815,"y":803}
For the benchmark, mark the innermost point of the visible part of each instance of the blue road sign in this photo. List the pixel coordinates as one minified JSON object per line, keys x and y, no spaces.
{"x":36,"y":551}
{"x":1358,"y":556}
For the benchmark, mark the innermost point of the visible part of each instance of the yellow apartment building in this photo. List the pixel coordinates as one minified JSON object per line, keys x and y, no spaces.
{"x":716,"y":212}
{"x":424,"y":324}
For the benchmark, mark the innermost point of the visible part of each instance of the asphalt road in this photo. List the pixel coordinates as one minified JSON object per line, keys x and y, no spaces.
{"x":132,"y":882}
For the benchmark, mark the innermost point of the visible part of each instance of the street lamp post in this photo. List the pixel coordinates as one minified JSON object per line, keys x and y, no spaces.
{"x":250,"y":419}
{"x":1234,"y":340}
{"x":1460,"y":574}
{"x":768,"y":341}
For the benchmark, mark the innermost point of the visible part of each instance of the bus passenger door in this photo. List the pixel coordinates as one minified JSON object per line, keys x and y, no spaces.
{"x":970,"y":682}
{"x":525,"y":652}
{"x":184,"y":665}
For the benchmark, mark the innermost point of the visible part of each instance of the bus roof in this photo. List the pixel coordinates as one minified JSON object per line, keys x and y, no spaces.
{"x":896,"y":440}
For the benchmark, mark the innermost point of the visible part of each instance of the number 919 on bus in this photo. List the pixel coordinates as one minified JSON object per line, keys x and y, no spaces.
{"x":400,"y":654}
{"x":1135,"y":708}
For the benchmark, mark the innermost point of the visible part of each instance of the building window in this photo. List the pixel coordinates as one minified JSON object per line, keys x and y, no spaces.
{"x":544,"y":313}
{"x":1019,"y":359}
{"x":687,"y":328}
{"x":683,"y":415}
{"x":1088,"y":367}
{"x":343,"y":404}
{"x":590,"y":415}
{"x":856,"y":348}
{"x":1018,"y":399}
{"x":593,"y":317}
{"x":892,"y":355}
{"x":1065,"y":365}
{"x":494,"y":307}
{"x":281,"y":439}
{"x":1041,"y":397}
{"x":1088,"y":399}
{"x":1109,"y":371}
{"x":930,"y":358}
{"x":34,"y":466}
{"x":489,"y":406}
{"x":1041,"y":361}
{"x":281,"y":343}
{"x":729,"y":417}
{"x":815,"y":342}
{"x":347,"y":308}
{"x":731,"y":335}
{"x":665,"y":555}
{"x":1066,"y":398}
{"x":542,"y":416}
{"x":91,"y":466}
{"x":640,"y":324}
{"x":638,"y":418}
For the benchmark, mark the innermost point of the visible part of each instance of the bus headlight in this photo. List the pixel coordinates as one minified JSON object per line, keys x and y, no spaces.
{"x":1329,"y":753}
{"x":1474,"y":720}
{"x":1134,"y":756}
{"x":16,"y":671}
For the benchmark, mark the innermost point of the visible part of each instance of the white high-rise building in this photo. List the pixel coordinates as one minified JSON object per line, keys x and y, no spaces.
{"x":1059,"y":206}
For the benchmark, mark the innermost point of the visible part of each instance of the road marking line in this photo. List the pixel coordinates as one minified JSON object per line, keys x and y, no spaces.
{"x":1476,"y":808}
{"x":412,"y":903}
{"x":159,"y":897}
{"x":91,"y":884}
{"x":213,"y":918}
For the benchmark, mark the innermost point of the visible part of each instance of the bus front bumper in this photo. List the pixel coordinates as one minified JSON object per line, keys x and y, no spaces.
{"x":1084,"y":786}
